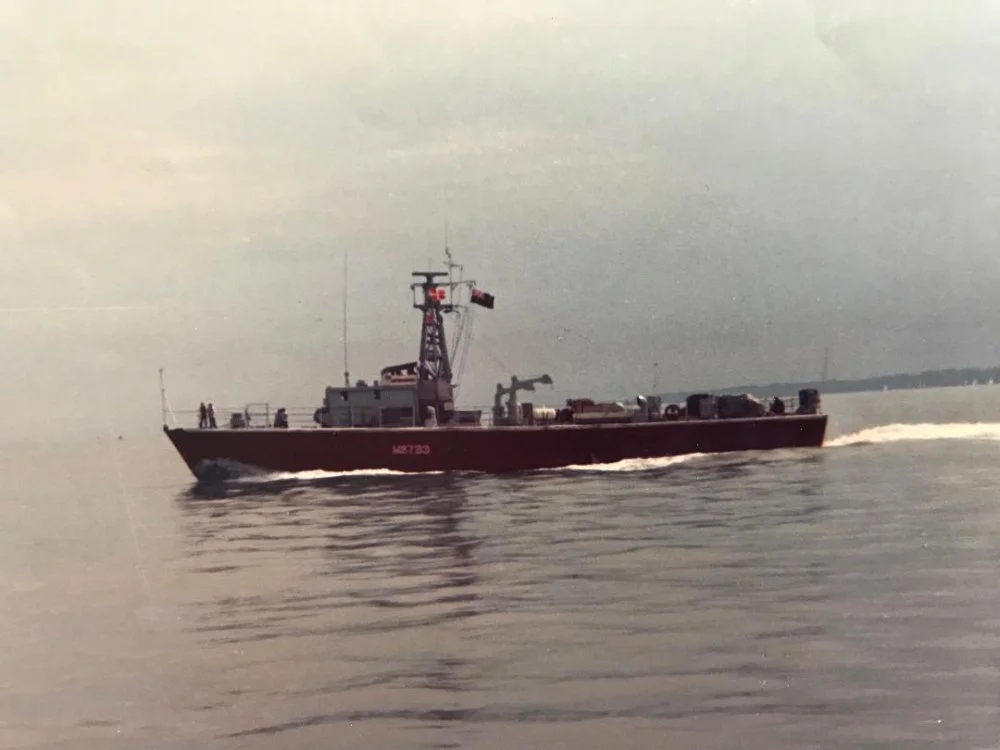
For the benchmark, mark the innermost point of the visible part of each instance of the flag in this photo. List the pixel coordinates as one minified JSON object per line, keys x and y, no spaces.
{"x":479,"y":297}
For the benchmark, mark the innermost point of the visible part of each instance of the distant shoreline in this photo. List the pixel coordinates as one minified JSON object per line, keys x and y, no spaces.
{"x":901,"y":381}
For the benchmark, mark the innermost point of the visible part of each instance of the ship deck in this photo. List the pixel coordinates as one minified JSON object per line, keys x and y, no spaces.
{"x":493,"y":427}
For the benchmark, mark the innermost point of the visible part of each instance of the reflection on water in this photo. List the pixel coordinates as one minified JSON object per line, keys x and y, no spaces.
{"x":370,"y":577}
{"x":443,"y":599}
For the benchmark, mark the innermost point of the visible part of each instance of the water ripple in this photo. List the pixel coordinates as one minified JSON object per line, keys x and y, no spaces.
{"x":783,"y":590}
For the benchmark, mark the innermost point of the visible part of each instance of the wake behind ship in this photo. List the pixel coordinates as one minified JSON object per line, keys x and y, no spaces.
{"x":407,"y":420}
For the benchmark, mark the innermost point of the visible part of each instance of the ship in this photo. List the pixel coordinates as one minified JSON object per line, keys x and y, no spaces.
{"x":406,"y":420}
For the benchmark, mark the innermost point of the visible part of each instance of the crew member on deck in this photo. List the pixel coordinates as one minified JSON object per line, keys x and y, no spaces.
{"x":202,"y":416}
{"x":211,"y":417}
{"x":777,"y":406}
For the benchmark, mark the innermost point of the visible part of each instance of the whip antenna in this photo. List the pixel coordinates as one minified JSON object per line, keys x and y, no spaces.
{"x":347,"y":375}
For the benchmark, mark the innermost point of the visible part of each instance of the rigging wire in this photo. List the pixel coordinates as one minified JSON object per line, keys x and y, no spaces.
{"x":464,"y":339}
{"x":496,"y":360}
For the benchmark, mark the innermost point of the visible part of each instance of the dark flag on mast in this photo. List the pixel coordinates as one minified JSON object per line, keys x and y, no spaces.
{"x":480,"y":297}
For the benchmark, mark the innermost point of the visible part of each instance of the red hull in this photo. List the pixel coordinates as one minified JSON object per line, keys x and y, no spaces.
{"x":492,"y":450}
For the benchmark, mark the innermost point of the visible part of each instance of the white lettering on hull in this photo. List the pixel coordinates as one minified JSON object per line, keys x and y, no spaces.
{"x":411,"y":449}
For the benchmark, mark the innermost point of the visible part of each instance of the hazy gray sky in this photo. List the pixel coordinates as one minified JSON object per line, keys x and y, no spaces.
{"x":722,"y":186}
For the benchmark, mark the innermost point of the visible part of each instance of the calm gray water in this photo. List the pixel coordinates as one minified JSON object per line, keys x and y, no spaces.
{"x":836,"y":598}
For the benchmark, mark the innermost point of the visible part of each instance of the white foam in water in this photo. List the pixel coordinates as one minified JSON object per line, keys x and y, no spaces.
{"x":628,"y":464}
{"x":894,"y":433}
{"x":636,"y":464}
{"x":308,"y":476}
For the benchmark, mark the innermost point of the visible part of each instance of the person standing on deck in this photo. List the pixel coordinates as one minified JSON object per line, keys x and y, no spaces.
{"x":202,"y":416}
{"x":211,"y":417}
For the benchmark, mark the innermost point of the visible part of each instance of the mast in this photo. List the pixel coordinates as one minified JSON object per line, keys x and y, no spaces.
{"x":435,"y":296}
{"x":434,"y":362}
{"x":347,"y":376}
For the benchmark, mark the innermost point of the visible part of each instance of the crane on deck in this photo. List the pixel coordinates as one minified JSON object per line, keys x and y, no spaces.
{"x":513,"y":415}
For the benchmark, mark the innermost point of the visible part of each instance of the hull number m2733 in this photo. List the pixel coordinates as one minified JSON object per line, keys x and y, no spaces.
{"x":411,"y":449}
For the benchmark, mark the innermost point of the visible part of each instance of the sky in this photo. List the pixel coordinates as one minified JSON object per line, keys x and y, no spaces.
{"x":722,"y":187}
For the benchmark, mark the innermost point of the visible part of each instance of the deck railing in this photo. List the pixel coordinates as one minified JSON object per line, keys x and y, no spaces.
{"x":262,"y":416}
{"x":301,"y":417}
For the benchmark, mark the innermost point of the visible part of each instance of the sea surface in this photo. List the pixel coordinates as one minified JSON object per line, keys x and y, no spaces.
{"x":843,"y":597}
